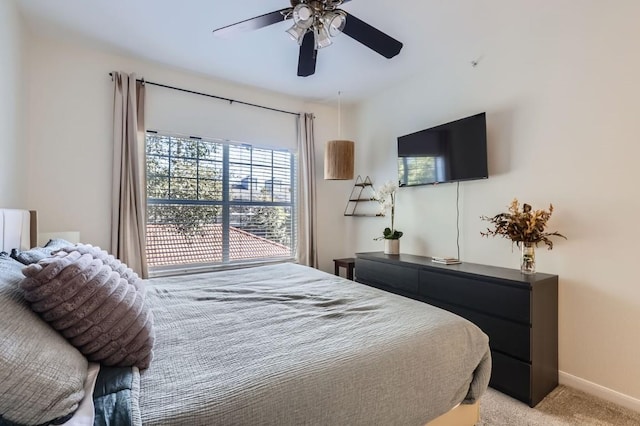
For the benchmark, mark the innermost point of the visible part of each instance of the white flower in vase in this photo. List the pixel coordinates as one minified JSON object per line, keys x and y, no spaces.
{"x":386,"y":196}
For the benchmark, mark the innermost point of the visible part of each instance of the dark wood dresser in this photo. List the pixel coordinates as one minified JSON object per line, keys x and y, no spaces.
{"x":518,"y":312}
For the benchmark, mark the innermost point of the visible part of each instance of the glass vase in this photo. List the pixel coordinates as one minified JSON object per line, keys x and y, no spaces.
{"x":528,"y":258}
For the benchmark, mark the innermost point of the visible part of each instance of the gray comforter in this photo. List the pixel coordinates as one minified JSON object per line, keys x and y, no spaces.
{"x":289,"y":345}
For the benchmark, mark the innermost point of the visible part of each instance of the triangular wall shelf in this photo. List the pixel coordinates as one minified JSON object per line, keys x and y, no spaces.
{"x":362,"y":192}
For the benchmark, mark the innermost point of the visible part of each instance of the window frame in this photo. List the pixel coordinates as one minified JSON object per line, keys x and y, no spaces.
{"x":225,"y":202}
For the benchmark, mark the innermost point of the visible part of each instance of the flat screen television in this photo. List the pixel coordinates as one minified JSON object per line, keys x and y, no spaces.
{"x":450,"y":152}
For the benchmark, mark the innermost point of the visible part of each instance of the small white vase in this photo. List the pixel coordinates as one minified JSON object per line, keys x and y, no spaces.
{"x":392,"y":246}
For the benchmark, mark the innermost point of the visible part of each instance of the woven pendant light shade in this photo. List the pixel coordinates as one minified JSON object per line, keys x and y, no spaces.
{"x":338,"y":160}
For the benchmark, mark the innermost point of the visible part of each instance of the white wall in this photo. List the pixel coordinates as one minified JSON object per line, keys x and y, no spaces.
{"x":563,"y":105}
{"x":12,"y":142}
{"x":70,"y":104}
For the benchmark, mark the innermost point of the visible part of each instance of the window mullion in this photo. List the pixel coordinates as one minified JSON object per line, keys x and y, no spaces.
{"x":251,"y":195}
{"x":225,"y":203}
{"x":273,"y":177}
{"x":169,"y":168}
{"x":294,"y":204}
{"x":197,"y":168}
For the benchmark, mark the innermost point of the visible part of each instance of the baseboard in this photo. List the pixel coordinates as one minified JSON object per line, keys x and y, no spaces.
{"x":599,"y":391}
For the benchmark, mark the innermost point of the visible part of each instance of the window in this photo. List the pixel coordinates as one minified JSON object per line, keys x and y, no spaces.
{"x":214,"y":202}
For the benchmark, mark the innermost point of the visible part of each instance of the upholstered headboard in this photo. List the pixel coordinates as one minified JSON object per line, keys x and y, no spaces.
{"x":18,"y":229}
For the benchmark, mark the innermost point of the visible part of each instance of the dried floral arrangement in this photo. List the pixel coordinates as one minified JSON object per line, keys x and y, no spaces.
{"x":522,"y":225}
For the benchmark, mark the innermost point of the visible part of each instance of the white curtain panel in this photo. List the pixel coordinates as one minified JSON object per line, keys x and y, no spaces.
{"x":129,"y":198}
{"x":307,"y":247}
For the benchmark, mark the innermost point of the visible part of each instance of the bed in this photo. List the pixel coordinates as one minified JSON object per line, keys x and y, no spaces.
{"x":289,"y":345}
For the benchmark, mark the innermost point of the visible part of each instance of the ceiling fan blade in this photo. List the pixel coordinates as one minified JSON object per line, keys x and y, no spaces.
{"x":252,"y":24}
{"x":371,"y":37}
{"x":308,"y":55}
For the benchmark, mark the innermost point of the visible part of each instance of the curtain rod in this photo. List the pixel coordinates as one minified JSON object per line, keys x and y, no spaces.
{"x":143,"y":81}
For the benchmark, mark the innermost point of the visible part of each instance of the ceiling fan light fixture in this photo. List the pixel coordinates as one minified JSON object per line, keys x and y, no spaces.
{"x":296,"y":32}
{"x":335,"y":22}
{"x":303,"y":15}
{"x":322,"y":38}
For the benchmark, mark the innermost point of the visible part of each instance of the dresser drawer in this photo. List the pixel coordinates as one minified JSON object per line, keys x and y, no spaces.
{"x":385,"y":275}
{"x":504,"y":336}
{"x":511,"y":376}
{"x":494,"y":299}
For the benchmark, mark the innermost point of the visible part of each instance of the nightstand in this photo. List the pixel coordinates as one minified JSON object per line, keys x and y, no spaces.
{"x":348,"y":263}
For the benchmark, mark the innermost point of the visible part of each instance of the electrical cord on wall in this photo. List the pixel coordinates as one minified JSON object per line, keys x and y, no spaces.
{"x":458,"y":218}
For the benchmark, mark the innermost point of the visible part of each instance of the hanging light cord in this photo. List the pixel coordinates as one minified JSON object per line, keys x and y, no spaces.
{"x":339,"y":115}
{"x":458,"y":218}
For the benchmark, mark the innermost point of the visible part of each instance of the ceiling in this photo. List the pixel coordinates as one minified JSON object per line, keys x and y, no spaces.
{"x":179,"y":34}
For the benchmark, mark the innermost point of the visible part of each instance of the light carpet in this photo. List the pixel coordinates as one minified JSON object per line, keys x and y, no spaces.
{"x":563,"y":406}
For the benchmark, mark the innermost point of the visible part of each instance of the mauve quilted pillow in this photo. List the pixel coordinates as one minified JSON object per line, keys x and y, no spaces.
{"x":108,"y":259}
{"x":98,"y":310}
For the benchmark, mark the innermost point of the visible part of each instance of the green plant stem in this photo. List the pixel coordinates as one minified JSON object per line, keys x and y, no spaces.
{"x":393,"y":211}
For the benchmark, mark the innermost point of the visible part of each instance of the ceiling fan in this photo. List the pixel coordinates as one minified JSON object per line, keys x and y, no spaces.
{"x":315,"y":22}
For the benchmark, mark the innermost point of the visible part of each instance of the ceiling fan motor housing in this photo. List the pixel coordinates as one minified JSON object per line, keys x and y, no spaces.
{"x":319,"y":5}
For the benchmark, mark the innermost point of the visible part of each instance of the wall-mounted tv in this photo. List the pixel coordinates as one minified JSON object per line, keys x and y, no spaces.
{"x":449,"y":152}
